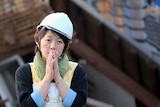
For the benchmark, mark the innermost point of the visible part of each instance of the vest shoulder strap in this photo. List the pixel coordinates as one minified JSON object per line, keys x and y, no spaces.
{"x":69,"y":75}
{"x":35,"y":78}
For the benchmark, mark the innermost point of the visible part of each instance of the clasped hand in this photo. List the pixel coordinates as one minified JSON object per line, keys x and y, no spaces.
{"x":52,"y":70}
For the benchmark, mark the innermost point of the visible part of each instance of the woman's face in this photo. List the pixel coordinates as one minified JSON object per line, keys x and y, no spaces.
{"x":51,"y":42}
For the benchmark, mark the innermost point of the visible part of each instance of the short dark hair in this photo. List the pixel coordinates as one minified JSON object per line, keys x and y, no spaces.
{"x":65,"y":40}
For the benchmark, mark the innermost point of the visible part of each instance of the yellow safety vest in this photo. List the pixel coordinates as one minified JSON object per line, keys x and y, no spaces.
{"x":53,"y":97}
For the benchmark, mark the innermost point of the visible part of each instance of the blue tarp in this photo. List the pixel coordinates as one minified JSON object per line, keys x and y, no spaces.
{"x":157,"y":2}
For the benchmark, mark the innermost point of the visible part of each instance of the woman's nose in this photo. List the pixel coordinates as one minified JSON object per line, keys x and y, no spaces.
{"x":53,"y":45}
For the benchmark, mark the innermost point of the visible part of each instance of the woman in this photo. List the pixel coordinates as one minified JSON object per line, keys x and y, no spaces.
{"x":51,"y":80}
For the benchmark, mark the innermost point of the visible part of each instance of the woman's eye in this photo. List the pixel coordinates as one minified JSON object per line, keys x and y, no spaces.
{"x":48,"y":40}
{"x":60,"y":41}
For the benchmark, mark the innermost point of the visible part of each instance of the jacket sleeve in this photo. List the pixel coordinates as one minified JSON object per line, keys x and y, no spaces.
{"x":79,"y":85}
{"x":23,"y":84}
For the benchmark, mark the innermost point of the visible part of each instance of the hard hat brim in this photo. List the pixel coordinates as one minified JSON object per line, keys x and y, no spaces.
{"x":56,"y":30}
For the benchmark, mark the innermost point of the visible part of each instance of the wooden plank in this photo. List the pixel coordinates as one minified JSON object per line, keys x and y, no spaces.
{"x":59,"y":5}
{"x":99,"y":62}
{"x":78,"y":20}
{"x":148,"y":75}
{"x":130,"y":62}
{"x":81,"y":30}
{"x":112,"y":47}
{"x":93,"y":32}
{"x":23,"y":50}
{"x":158,"y":81}
{"x":2,"y":102}
{"x":20,"y":29}
{"x":95,"y":103}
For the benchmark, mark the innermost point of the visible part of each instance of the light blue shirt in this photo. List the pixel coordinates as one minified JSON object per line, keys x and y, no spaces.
{"x":71,"y":95}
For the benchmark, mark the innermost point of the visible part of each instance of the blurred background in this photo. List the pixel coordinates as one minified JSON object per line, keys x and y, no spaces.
{"x":116,"y":41}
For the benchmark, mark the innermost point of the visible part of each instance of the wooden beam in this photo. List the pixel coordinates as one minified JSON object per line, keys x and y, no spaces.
{"x":20,"y":51}
{"x":2,"y":102}
{"x":110,"y":71}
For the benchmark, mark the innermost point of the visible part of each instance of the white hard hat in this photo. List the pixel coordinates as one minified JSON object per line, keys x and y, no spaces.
{"x":58,"y":22}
